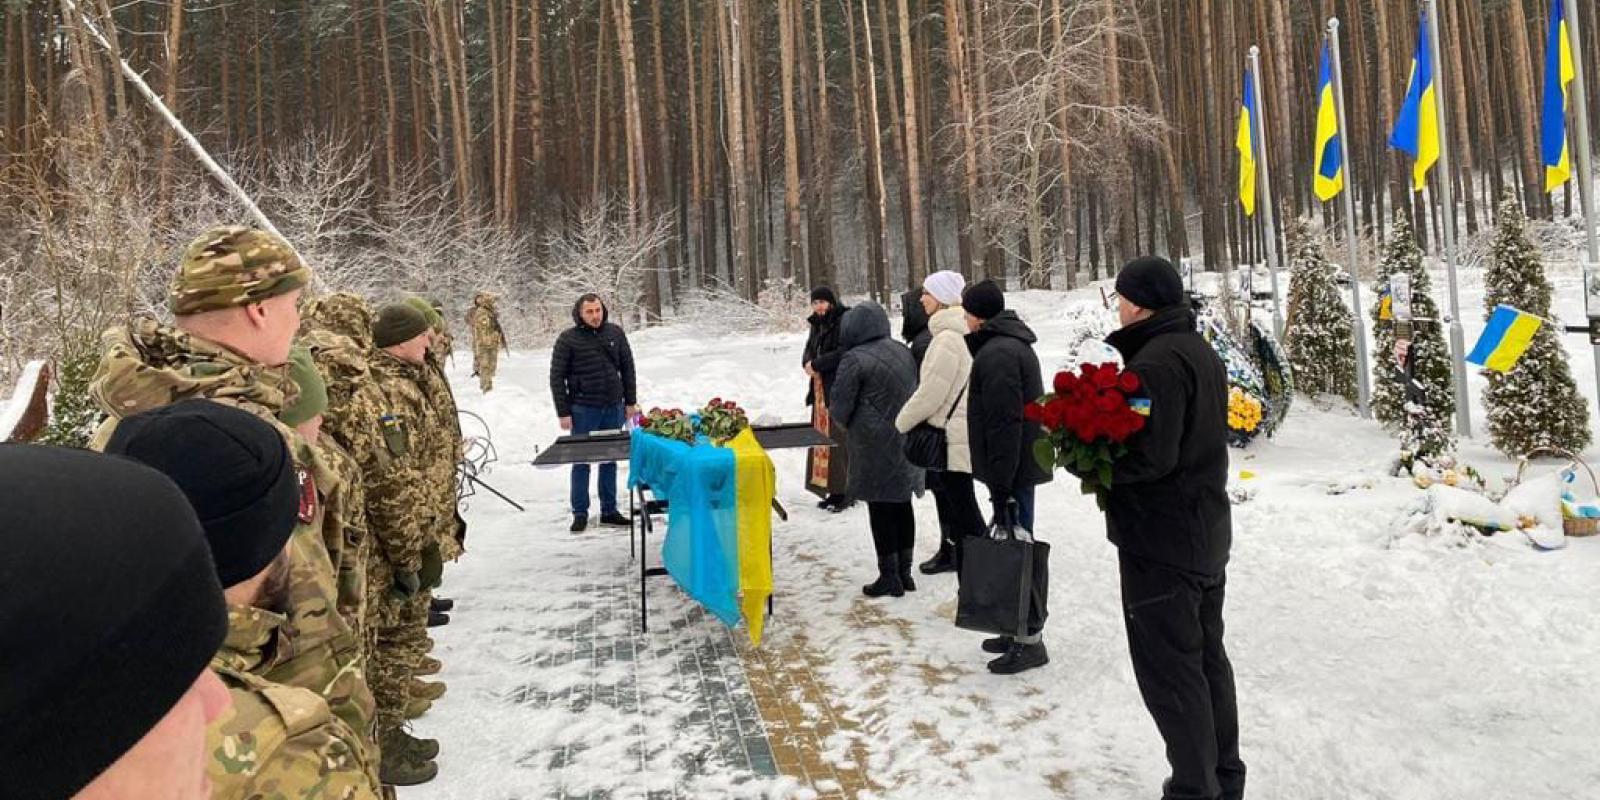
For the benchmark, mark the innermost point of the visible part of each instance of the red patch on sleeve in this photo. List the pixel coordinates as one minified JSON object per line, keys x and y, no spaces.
{"x":308,"y":495}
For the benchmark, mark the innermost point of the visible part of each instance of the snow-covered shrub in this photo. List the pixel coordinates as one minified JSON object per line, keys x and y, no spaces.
{"x":1318,"y":332}
{"x":1419,"y":411}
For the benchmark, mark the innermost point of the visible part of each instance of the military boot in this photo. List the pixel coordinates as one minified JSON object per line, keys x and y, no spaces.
{"x":420,"y":749}
{"x":400,"y":766}
{"x":429,"y":666}
{"x":431,"y":690}
{"x":417,"y":706}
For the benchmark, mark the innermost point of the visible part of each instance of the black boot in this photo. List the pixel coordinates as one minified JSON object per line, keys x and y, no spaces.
{"x":998,"y":644}
{"x":1020,"y":658}
{"x":906,"y":559}
{"x":888,"y":582}
{"x":942,"y":561}
{"x":441,"y":604}
{"x":437,"y":618}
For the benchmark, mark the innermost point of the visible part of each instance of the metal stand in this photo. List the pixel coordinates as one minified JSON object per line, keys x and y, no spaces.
{"x":642,"y":512}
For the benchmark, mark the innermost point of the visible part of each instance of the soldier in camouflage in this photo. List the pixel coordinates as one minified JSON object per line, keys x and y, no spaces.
{"x":488,"y":338}
{"x":279,"y":740}
{"x":234,"y":301}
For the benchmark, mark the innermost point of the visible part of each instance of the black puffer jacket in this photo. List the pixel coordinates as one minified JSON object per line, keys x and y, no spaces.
{"x":1169,"y":494}
{"x":822,"y":348}
{"x":914,"y":326}
{"x":591,"y":366}
{"x":875,"y":378}
{"x":1005,"y":377}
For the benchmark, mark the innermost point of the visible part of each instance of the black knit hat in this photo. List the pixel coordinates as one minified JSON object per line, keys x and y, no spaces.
{"x":109,"y":611}
{"x":398,"y":323}
{"x":983,"y":300}
{"x":824,"y":293}
{"x":1150,"y":282}
{"x":235,"y":470}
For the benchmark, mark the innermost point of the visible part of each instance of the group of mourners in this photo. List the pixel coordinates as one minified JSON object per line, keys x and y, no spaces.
{"x":968,"y":367}
{"x":228,"y":593}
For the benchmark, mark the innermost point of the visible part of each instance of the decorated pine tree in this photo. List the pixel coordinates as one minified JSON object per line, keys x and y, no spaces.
{"x":1536,"y":404}
{"x":1415,"y":403}
{"x":1322,"y":351}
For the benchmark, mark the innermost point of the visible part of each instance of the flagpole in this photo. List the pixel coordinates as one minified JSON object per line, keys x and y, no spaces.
{"x":1264,"y":174}
{"x":1363,"y":371}
{"x":1580,"y":146}
{"x":1457,"y":344}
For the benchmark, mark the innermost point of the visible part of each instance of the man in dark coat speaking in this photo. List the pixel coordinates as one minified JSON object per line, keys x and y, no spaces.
{"x":593,"y":385}
{"x":1168,"y":514}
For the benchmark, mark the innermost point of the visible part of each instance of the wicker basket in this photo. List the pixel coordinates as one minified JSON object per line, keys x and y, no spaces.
{"x":1580,"y":526}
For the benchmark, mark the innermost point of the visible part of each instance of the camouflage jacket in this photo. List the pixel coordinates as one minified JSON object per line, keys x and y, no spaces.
{"x":443,"y":460}
{"x":148,"y":365}
{"x":345,"y":529}
{"x":400,"y":505}
{"x":486,"y":332}
{"x":278,"y":742}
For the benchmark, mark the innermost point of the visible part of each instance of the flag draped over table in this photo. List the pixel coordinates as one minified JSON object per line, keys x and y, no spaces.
{"x":1559,"y":71}
{"x":1246,"y":143}
{"x":1416,"y":129}
{"x":1505,"y":338}
{"x":1329,"y":174}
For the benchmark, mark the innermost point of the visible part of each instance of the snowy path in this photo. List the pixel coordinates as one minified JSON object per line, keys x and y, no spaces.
{"x":1366,"y":669}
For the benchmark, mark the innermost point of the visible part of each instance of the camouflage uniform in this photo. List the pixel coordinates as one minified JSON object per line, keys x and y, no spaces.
{"x":278,"y":742}
{"x":345,"y":530}
{"x":487,"y":339}
{"x":400,"y":513}
{"x":443,"y":455}
{"x":147,"y":365}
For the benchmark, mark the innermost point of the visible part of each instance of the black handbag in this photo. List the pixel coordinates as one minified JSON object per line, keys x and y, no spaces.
{"x":1005,"y":582}
{"x":928,"y":447}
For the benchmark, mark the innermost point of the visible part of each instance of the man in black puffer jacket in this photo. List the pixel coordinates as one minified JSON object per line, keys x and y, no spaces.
{"x":592,"y":381}
{"x":1005,"y":377}
{"x":1168,"y":514}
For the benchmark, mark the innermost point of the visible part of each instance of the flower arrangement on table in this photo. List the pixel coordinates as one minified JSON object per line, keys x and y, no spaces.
{"x":668,"y":423}
{"x":721,"y":420}
{"x":1087,"y":422}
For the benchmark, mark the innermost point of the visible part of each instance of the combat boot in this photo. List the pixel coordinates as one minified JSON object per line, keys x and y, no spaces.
{"x":431,"y":690}
{"x":420,"y":749}
{"x":428,"y":666}
{"x":437,"y":618}
{"x":400,"y":766}
{"x":417,"y":706}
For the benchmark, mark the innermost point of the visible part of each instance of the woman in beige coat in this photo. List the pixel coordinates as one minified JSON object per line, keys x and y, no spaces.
{"x":941,"y":401}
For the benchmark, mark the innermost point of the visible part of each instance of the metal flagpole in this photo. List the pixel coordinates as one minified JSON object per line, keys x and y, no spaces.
{"x":1264,"y":172}
{"x":1458,"y":351}
{"x":1580,"y":146}
{"x":1363,"y":371}
{"x":183,"y":133}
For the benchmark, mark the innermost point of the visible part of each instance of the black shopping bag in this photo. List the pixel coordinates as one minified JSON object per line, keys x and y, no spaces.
{"x":1005,"y":582}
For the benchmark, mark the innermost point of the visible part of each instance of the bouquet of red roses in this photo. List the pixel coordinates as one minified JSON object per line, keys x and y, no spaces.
{"x":1087,"y":422}
{"x":670,"y":423}
{"x":722,"y":419}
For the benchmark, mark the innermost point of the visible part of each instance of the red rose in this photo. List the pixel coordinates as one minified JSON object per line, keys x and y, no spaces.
{"x":1063,"y":381}
{"x":1033,"y":412}
{"x":1105,"y":376}
{"x":1128,"y":382}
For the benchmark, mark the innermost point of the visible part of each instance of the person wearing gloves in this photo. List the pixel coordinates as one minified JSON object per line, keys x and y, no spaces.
{"x":941,"y":401}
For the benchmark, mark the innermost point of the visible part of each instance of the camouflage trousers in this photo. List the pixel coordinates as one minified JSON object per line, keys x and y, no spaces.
{"x":484,"y":363}
{"x":393,"y":664}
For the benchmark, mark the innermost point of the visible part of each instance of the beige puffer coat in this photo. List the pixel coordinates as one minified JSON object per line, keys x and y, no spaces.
{"x":945,"y":370}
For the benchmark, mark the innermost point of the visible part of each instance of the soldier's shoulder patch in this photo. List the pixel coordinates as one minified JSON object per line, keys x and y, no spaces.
{"x":308,"y":494}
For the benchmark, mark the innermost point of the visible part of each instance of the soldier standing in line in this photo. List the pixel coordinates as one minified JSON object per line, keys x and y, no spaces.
{"x":488,"y":338}
{"x":234,"y":301}
{"x":244,"y":487}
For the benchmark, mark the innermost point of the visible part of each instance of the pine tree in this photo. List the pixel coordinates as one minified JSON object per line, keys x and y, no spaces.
{"x":1537,"y":403}
{"x":1322,"y":351}
{"x":73,"y":411}
{"x":1419,"y":411}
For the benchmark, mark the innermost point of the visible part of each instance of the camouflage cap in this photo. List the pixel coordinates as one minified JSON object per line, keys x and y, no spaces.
{"x":483,"y":299}
{"x":231,"y":265}
{"x":344,"y":313}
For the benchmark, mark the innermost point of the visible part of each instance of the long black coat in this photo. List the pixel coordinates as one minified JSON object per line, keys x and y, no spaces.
{"x":1005,"y":377}
{"x":822,"y":350}
{"x":591,"y":366}
{"x":1169,"y":500}
{"x":876,"y":376}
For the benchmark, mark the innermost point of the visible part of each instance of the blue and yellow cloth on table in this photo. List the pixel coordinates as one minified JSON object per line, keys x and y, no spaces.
{"x":719,"y":523}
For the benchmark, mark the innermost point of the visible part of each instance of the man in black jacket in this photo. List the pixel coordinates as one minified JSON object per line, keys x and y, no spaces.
{"x":826,"y":468}
{"x":1168,"y":514}
{"x":592,"y":381}
{"x":1005,"y":377}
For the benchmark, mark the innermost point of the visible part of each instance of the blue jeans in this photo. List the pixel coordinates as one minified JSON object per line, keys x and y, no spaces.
{"x":1024,"y":496}
{"x":584,"y":420}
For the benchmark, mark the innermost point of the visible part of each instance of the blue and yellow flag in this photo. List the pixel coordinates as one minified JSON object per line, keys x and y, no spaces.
{"x":1559,"y":71}
{"x":1505,"y":338}
{"x":1329,"y":175}
{"x":1416,"y":129}
{"x":1246,"y":143}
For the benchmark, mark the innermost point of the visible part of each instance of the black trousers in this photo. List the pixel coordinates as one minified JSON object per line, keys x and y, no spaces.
{"x":1174,"y":621}
{"x":959,"y":514}
{"x":894,"y":526}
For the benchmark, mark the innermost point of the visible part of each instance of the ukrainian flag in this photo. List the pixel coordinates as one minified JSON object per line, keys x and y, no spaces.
{"x":1416,"y":130}
{"x":1559,"y":70}
{"x":1246,"y":143}
{"x":1505,"y":338}
{"x":1330,"y":159}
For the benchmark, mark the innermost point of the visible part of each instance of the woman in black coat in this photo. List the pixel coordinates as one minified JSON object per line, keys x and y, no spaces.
{"x":827,"y":469}
{"x":876,"y":376}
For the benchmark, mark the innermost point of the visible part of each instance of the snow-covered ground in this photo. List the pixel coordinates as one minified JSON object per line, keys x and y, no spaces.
{"x":1367,"y":668}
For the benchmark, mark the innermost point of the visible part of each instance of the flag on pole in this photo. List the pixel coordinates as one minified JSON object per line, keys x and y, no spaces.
{"x":1505,"y":338}
{"x":1416,"y":129}
{"x":1246,"y":143}
{"x":1559,"y":70}
{"x":1329,"y":180}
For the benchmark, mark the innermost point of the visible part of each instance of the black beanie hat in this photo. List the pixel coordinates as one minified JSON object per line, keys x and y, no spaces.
{"x":109,"y":611}
{"x":235,"y":470}
{"x":1150,"y":282}
{"x":824,"y":293}
{"x":983,"y":300}
{"x":398,"y":323}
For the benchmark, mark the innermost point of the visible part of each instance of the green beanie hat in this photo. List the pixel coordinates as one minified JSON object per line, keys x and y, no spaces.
{"x":313,"y":398}
{"x":398,"y":322}
{"x":428,"y":312}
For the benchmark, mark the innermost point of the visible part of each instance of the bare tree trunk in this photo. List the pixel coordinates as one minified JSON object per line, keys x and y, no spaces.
{"x":917,"y":269}
{"x":958,"y":82}
{"x":1522,"y":72}
{"x":666,"y":151}
{"x":536,"y":95}
{"x":698,"y":264}
{"x":824,"y":268}
{"x":744,"y":265}
{"x":174,"y":39}
{"x":638,"y":177}
{"x":793,"y":254}
{"x":391,"y":108}
{"x":595,"y":187}
{"x":1177,"y":236}
{"x":880,"y":284}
